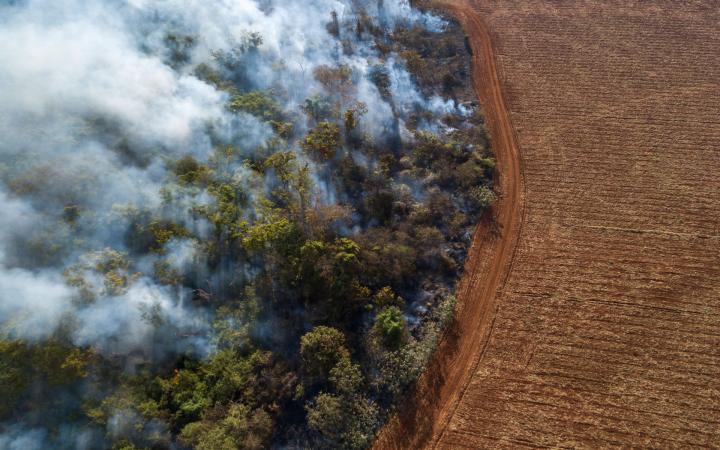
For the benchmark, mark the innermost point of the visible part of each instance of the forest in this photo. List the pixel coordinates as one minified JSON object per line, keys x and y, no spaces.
{"x":228,"y":225}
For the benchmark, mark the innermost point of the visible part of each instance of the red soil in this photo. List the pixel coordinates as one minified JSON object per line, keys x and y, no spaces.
{"x":591,"y":316}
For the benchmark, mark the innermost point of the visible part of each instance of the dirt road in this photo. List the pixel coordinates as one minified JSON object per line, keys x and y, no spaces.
{"x":592,"y":319}
{"x":444,"y":383}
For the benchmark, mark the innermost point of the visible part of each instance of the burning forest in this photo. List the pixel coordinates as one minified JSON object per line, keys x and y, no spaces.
{"x":228,"y":224}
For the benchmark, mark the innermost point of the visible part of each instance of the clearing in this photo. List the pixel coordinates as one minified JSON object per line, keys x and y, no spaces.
{"x":591,"y":315}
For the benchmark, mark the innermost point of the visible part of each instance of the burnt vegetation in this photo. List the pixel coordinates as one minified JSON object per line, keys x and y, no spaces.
{"x":326,"y":260}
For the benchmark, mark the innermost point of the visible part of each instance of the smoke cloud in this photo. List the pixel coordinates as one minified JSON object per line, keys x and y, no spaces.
{"x":96,"y":98}
{"x":83,"y":81}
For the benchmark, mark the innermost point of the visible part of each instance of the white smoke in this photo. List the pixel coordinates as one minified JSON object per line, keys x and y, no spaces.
{"x":91,"y":111}
{"x":67,"y":65}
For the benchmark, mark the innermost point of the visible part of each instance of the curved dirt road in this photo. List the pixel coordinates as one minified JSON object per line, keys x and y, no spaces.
{"x":591,"y":319}
{"x":444,"y":383}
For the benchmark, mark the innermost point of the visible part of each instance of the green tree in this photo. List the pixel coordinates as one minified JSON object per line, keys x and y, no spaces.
{"x":239,"y":428}
{"x":342,"y":422}
{"x":59,"y":362}
{"x":258,"y":103}
{"x":386,"y":297}
{"x":390,"y":325}
{"x":346,"y":377}
{"x":276,"y":231}
{"x":323,"y":141}
{"x":321,"y":349}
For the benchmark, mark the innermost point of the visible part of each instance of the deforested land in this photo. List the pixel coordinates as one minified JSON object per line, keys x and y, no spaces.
{"x":603,"y":329}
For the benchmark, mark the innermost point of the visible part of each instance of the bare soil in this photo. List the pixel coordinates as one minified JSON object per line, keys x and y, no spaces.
{"x":590,"y":315}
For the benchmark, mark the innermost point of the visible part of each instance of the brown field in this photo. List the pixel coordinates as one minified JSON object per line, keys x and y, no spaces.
{"x":591,"y":317}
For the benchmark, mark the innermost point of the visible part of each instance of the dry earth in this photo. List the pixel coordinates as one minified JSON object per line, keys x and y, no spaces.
{"x":591,"y":317}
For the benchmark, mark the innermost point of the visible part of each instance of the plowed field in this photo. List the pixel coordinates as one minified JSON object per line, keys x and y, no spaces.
{"x":591,"y":316}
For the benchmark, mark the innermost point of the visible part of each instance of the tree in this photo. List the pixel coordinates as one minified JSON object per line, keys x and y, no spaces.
{"x":283,"y":164}
{"x":257,"y":103}
{"x":387,"y":256}
{"x":336,"y":80}
{"x":321,"y":349}
{"x":323,"y":141}
{"x":179,"y":47}
{"x":334,"y":26}
{"x":416,"y":65}
{"x":317,"y":108}
{"x":325,"y":415}
{"x":386,"y":297}
{"x":190,"y":171}
{"x":430,"y":149}
{"x":275,"y":231}
{"x":342,"y":422}
{"x":482,"y":196}
{"x":469,"y":174}
{"x":380,"y":206}
{"x":346,"y":378}
{"x":380,"y":77}
{"x":352,"y":115}
{"x":13,"y":374}
{"x":241,"y":427}
{"x":59,"y":362}
{"x":391,"y":327}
